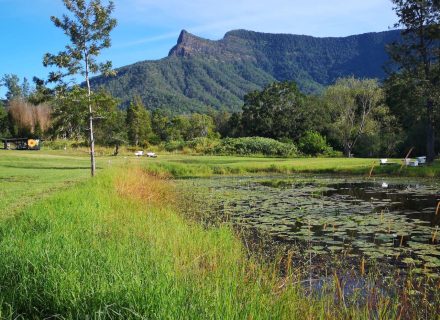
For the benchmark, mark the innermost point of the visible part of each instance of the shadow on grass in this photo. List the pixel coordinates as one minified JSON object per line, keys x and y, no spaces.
{"x":47,"y":167}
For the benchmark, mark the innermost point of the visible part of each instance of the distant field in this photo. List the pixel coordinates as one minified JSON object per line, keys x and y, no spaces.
{"x":25,"y":176}
{"x":195,"y":166}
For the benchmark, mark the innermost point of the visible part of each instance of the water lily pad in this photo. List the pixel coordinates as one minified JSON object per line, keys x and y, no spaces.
{"x":410,"y":261}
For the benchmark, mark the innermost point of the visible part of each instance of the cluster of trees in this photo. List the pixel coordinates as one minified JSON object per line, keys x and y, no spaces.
{"x":23,"y":113}
{"x":356,"y":116}
{"x":64,"y":114}
{"x":350,"y":115}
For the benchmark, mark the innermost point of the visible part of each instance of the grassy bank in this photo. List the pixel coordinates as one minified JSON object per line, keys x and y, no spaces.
{"x":118,"y":247}
{"x":199,"y":166}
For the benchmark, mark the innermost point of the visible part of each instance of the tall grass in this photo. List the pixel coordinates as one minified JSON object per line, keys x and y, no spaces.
{"x":116,"y":247}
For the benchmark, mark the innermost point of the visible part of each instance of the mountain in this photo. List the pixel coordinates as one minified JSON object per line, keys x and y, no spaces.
{"x":200,"y":73}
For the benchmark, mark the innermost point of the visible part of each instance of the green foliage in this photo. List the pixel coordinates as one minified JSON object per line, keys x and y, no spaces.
{"x":313,"y":143}
{"x":255,"y":146}
{"x":200,"y":126}
{"x":138,"y":121}
{"x":13,"y":86}
{"x":234,"y":127}
{"x":220,"y":74}
{"x":383,"y":137}
{"x":203,"y":145}
{"x":276,"y":112}
{"x":417,"y":61}
{"x":4,"y":121}
{"x":69,"y":114}
{"x":182,"y":127}
{"x":88,"y":28}
{"x":174,"y":145}
{"x":160,"y":122}
{"x":41,"y":94}
{"x":352,"y":103}
{"x":110,"y":129}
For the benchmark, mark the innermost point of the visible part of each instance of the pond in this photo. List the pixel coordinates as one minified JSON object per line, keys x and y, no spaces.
{"x":394,"y":221}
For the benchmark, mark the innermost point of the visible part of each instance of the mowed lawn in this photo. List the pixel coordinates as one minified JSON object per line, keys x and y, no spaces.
{"x":26,"y":177}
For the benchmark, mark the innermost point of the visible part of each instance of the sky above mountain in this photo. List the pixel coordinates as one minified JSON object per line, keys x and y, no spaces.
{"x":147,"y":29}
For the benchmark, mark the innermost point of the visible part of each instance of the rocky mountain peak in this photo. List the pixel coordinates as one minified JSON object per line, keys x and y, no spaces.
{"x":189,"y":44}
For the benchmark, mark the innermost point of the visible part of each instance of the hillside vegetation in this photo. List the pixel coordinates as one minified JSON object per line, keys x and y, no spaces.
{"x":200,"y":73}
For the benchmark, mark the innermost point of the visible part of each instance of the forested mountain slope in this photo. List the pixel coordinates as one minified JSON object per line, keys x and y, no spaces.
{"x":200,"y":73}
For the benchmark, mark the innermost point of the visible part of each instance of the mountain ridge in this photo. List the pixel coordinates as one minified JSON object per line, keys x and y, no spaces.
{"x":200,"y":73}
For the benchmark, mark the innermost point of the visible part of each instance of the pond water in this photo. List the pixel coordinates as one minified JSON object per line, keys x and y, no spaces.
{"x":392,"y":221}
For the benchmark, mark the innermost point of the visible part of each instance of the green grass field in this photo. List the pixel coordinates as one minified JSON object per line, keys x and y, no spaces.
{"x":26,"y":177}
{"x":118,"y":246}
{"x":197,"y":166}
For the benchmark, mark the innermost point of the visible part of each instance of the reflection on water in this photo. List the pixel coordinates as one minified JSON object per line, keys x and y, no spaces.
{"x":391,"y":220}
{"x":415,"y":200}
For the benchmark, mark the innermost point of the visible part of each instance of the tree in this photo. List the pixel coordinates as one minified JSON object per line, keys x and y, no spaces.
{"x":234,"y":127}
{"x":88,"y":28}
{"x":276,"y":112}
{"x":417,"y":59}
{"x":27,"y":119}
{"x":179,"y":128}
{"x":41,"y":94}
{"x":4,"y":121}
{"x":25,"y":88}
{"x":200,"y":126}
{"x":138,"y":121}
{"x":352,"y":102}
{"x":160,"y":121}
{"x":69,"y":114}
{"x":408,"y":108}
{"x":110,"y":128}
{"x":12,"y":84}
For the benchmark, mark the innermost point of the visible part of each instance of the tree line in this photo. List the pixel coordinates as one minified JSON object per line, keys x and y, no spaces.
{"x":355,"y":116}
{"x":361,"y":117}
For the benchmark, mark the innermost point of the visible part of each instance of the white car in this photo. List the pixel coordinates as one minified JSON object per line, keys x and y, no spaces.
{"x":151,"y":155}
{"x":139,"y":153}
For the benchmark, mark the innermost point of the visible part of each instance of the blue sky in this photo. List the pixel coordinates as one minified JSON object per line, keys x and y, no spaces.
{"x":147,"y":29}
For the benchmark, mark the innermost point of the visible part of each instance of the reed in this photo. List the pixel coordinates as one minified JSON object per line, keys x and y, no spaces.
{"x":371,"y":170}
{"x":434,"y":235}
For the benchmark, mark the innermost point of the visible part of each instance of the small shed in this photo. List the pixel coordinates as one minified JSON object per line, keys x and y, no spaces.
{"x":21,"y":143}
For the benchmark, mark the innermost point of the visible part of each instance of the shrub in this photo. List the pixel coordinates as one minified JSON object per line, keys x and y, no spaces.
{"x":174,"y":145}
{"x":313,"y":143}
{"x":255,"y":146}
{"x":202,"y":145}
